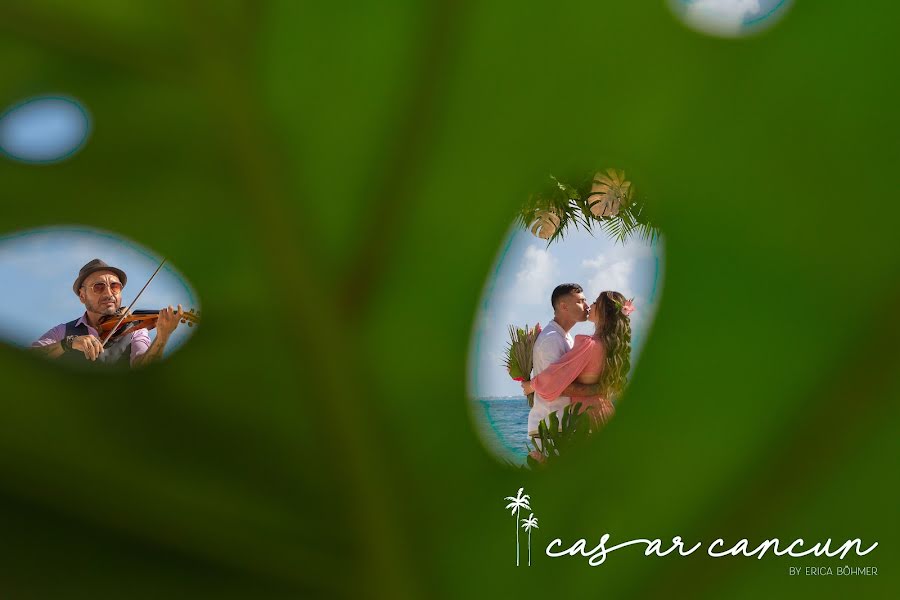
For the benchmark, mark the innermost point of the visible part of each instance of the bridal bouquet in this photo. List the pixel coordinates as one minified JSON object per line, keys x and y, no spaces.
{"x":519,"y":354}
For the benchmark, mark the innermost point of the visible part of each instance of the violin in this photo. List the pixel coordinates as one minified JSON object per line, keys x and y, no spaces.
{"x":113,"y":327}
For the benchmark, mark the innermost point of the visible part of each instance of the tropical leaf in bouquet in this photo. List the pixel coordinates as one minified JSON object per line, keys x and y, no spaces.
{"x":511,"y":362}
{"x":519,"y":353}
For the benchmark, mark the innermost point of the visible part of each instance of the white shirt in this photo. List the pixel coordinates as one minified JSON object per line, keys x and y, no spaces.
{"x":549,"y":347}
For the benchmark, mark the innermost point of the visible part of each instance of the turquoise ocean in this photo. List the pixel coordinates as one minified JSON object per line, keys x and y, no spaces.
{"x":504,"y":426}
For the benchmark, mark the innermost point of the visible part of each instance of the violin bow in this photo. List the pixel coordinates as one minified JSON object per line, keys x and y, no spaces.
{"x":133,"y":302}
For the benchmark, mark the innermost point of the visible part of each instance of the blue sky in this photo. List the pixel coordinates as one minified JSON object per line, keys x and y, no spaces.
{"x":38,"y":267}
{"x":525,"y":273}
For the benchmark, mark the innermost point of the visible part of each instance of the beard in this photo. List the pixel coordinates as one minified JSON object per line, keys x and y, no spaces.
{"x":101,"y":308}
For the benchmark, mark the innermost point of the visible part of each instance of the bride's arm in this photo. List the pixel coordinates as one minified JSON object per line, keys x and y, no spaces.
{"x":553,"y":381}
{"x":573,"y":390}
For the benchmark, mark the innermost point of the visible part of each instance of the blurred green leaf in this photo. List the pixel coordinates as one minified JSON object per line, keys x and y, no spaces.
{"x":314,"y":438}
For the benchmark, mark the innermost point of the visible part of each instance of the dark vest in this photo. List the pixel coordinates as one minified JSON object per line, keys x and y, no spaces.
{"x":117,"y":353}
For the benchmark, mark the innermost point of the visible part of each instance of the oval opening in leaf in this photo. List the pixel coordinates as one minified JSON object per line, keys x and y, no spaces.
{"x":41,"y":269}
{"x":44,"y":130}
{"x":730,"y":18}
{"x":585,"y":248}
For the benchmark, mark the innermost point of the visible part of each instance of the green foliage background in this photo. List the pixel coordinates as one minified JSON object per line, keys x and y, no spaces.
{"x":335,"y":181}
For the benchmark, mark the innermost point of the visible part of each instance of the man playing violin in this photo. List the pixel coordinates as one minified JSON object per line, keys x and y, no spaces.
{"x":99,"y":287}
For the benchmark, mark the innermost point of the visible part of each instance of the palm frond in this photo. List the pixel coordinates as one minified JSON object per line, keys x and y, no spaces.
{"x":605,"y":200}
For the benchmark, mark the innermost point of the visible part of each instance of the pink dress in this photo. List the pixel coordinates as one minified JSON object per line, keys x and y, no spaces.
{"x":582,"y":364}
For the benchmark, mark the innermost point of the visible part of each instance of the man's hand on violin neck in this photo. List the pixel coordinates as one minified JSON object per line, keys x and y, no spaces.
{"x":88,"y":344}
{"x":168,"y":320}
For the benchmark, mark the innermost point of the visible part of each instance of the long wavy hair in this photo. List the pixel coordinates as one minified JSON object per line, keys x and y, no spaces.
{"x":615,"y":335}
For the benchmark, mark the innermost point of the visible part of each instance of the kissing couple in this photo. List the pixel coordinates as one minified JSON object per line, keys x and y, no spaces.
{"x":590,"y":369}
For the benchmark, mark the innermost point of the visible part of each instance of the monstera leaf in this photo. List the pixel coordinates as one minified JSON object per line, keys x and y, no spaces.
{"x":546,"y":224}
{"x":609,"y":193}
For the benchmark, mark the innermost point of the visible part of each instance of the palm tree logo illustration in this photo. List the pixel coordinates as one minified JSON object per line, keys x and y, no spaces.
{"x":529,"y":524}
{"x":518,"y":502}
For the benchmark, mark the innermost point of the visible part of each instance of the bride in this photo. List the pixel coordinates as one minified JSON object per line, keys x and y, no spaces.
{"x":603,"y":358}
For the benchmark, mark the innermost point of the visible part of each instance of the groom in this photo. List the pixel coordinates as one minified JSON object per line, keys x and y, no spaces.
{"x":569,"y":307}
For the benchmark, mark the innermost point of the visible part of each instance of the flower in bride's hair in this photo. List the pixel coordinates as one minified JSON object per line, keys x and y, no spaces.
{"x":610,"y":192}
{"x":545,"y":224}
{"x":628,"y":307}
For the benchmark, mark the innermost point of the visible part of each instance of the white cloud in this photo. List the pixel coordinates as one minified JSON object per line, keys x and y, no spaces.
{"x":536,"y":277}
{"x":614,"y":269}
{"x":617,"y":269}
{"x":612,"y":276}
